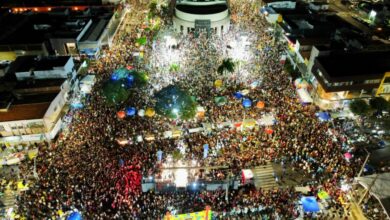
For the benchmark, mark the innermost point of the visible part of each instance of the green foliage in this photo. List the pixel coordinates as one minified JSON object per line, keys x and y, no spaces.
{"x":171,"y":99}
{"x":226,"y":66}
{"x":140,"y":78}
{"x":142,"y":40}
{"x":380,"y":104}
{"x":115,"y":92}
{"x":153,"y":8}
{"x":177,"y":155}
{"x":174,"y":67}
{"x":359,"y":107}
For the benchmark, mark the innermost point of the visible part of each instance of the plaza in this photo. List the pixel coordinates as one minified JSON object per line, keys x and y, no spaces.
{"x":233,"y":138}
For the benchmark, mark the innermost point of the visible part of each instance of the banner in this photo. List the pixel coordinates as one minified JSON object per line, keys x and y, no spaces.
{"x":205,"y":150}
{"x":159,"y":155}
{"x":203,"y":215}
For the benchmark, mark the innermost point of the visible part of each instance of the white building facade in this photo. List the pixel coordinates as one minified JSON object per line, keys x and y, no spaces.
{"x":191,"y":15}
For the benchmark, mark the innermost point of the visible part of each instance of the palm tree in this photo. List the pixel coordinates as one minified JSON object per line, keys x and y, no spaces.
{"x":359,"y":107}
{"x":226,"y":66}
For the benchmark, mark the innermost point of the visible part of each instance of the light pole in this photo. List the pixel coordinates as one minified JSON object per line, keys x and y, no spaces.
{"x":35,"y":174}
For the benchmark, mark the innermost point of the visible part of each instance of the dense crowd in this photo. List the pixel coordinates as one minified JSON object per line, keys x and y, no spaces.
{"x":88,"y":170}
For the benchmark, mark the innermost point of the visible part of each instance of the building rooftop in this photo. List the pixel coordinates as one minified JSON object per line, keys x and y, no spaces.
{"x":38,"y":27}
{"x":27,"y":63}
{"x":29,"y":107}
{"x":360,"y":65}
{"x":95,"y":30}
{"x":32,"y":3}
{"x":202,"y":10}
{"x":270,"y":1}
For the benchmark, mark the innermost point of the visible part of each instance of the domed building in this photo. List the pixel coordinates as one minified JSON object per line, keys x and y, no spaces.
{"x":194,"y":15}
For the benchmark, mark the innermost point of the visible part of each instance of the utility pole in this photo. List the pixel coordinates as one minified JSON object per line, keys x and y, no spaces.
{"x":227,"y":189}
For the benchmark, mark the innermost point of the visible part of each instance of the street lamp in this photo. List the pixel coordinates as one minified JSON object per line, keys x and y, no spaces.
{"x":176,"y":112}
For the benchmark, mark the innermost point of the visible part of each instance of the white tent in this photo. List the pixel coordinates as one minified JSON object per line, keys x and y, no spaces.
{"x":304,"y":96}
{"x":247,"y":175}
{"x":86,"y":83}
{"x":266,"y":120}
{"x":378,"y":186}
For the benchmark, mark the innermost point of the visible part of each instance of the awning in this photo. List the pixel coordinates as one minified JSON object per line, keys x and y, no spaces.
{"x":247,"y":174}
{"x":304,"y":96}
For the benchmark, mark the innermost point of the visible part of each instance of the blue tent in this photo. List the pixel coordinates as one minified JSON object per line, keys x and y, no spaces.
{"x":247,"y":103}
{"x":74,"y":216}
{"x":310,"y":204}
{"x":324,"y":116}
{"x":130,"y":111}
{"x":238,"y":95}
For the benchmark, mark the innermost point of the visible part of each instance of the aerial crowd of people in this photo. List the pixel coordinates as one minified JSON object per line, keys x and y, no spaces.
{"x":86,"y":169}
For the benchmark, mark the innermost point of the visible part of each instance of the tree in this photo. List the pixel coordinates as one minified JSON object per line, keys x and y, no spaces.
{"x":380,"y":104}
{"x":153,"y":8}
{"x":174,"y":67}
{"x":226,"y":66}
{"x":359,"y":107}
{"x":140,"y":78}
{"x":118,"y":88}
{"x":115,"y":92}
{"x":142,"y":41}
{"x":174,"y":102}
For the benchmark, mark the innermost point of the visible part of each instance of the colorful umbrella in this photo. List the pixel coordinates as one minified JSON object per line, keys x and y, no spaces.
{"x":121,"y":114}
{"x":269,"y":131}
{"x":238,"y":95}
{"x":218,"y":83}
{"x":141,"y":113}
{"x":150,"y":112}
{"x":260,"y":104}
{"x":220,"y":100}
{"x":130,"y":111}
{"x":247,"y":103}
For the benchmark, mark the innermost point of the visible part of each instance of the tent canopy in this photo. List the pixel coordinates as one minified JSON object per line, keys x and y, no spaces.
{"x":324,"y":116}
{"x":304,"y":96}
{"x":310,"y":204}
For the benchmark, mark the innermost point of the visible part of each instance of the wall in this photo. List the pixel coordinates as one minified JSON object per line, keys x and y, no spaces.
{"x":192,"y":17}
{"x":53,"y":112}
{"x":56,"y":72}
{"x":186,"y":24}
{"x":23,"y":126}
{"x":282,"y":4}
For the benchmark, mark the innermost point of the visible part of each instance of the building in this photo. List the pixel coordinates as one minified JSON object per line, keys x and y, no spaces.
{"x":283,"y":4}
{"x":191,"y":15}
{"x":60,"y":31}
{"x":51,"y":3}
{"x":32,"y":110}
{"x":319,"y":41}
{"x":343,"y":76}
{"x":38,"y":67}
